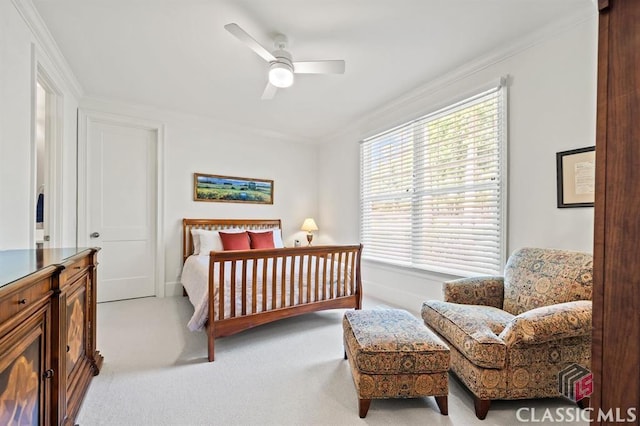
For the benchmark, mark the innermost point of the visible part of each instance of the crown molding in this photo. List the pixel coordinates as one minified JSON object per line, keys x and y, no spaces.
{"x":419,"y":93}
{"x":135,"y":110}
{"x":50,"y":48}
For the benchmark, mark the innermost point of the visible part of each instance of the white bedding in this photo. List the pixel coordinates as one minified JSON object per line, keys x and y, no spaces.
{"x":195,"y":279}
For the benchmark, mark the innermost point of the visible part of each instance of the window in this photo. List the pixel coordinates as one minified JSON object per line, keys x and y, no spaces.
{"x":433,"y":190}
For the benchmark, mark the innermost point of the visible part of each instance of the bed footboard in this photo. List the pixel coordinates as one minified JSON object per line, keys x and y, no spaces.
{"x":254,"y":287}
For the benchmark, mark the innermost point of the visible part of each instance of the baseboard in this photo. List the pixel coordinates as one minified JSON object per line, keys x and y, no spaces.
{"x":400,"y":298}
{"x":405,"y":288}
{"x":173,"y":289}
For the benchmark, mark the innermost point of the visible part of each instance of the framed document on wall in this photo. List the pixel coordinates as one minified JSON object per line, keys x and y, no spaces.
{"x":576,"y":172}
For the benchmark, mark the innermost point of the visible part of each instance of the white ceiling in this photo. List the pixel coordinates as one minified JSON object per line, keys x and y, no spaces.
{"x":175,"y":54}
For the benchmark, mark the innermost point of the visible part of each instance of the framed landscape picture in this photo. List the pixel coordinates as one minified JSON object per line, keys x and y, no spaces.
{"x":229,"y":189}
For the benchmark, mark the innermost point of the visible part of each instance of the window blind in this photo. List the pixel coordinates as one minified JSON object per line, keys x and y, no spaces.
{"x":433,"y":189}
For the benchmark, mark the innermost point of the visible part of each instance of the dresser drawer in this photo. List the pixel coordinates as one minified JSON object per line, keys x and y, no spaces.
{"x":24,"y":299}
{"x":73,"y":270}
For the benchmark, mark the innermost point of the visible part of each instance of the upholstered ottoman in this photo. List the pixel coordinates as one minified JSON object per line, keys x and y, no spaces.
{"x":392,"y":354}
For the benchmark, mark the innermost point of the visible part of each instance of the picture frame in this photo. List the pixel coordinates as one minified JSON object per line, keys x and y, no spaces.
{"x":576,"y":177}
{"x":232,"y":189}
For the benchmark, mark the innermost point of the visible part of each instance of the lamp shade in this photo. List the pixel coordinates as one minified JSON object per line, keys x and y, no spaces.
{"x":309,"y":225}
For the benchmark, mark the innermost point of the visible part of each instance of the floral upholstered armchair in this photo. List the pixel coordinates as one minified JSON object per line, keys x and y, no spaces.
{"x":511,"y":335}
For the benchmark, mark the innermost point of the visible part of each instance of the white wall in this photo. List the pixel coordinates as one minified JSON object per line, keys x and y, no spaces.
{"x":15,"y":136}
{"x":192,"y":144}
{"x":552,"y":107}
{"x":203,"y":145}
{"x":20,"y":48}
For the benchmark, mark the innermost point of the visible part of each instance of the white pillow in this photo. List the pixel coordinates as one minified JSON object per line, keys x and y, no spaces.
{"x":277,"y":236}
{"x":195,"y":237}
{"x":210,"y":240}
{"x":205,"y":241}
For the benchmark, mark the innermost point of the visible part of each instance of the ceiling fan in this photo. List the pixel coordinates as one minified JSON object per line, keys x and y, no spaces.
{"x":281,"y":64}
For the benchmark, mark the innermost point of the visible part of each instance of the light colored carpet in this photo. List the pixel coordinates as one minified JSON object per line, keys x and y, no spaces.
{"x":291,"y":372}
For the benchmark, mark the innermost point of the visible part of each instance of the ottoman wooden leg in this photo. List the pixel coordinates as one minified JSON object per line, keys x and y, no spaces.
{"x":344,"y":346}
{"x":584,"y":403}
{"x":363,"y":407}
{"x":482,"y":407}
{"x":443,"y":405}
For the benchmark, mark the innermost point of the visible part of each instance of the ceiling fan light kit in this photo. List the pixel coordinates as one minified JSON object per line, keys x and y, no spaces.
{"x":281,"y":70}
{"x":280,"y":75}
{"x":281,"y":64}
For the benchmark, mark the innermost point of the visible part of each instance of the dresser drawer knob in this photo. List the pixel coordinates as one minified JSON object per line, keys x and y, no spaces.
{"x":22,"y":302}
{"x":48,"y":374}
{"x":68,"y":348}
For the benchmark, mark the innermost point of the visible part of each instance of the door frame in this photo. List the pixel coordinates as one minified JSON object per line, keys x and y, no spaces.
{"x":54,"y":134}
{"x":86,"y":117}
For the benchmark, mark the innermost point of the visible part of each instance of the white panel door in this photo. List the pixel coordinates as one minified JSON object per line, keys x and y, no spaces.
{"x":121,"y":192}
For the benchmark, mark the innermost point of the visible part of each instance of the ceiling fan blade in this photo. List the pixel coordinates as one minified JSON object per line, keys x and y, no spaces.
{"x":244,"y":37}
{"x":319,"y":67}
{"x":269,"y":92}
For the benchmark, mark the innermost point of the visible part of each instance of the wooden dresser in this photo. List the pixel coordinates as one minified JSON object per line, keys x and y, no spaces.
{"x":47,"y":334}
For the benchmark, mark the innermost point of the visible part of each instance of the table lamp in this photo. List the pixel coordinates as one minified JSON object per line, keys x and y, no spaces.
{"x":309,"y":225}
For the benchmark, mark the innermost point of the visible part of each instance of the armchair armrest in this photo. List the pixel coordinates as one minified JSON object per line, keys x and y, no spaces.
{"x":554,"y":322}
{"x":486,"y":291}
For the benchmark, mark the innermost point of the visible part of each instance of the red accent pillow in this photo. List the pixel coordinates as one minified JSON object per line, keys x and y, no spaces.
{"x":235,"y":241}
{"x":261,"y":240}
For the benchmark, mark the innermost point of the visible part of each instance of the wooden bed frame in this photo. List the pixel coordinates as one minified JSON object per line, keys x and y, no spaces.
{"x":314,"y":294}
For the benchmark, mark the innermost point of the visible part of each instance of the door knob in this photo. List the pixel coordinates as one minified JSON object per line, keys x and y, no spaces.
{"x":95,"y":235}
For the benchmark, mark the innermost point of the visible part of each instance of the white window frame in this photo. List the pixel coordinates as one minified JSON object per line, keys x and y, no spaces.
{"x":410,"y":257}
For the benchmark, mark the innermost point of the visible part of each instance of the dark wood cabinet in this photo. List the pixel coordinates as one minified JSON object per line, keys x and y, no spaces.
{"x":47,"y":334}
{"x":74,"y":308}
{"x":25,"y":369}
{"x":616,"y":279}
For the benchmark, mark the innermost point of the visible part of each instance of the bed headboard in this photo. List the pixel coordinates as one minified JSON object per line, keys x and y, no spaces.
{"x":220,"y":224}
